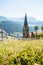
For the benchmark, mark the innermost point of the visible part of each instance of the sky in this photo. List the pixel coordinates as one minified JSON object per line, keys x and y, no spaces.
{"x":18,"y":8}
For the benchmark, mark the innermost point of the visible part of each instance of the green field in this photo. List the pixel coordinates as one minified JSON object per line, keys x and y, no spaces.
{"x":21,"y":52}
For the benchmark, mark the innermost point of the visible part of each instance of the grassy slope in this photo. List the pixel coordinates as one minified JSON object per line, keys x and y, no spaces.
{"x":11,"y":48}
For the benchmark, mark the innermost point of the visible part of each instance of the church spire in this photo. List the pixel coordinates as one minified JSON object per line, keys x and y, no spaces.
{"x":25,"y":28}
{"x":25,"y":20}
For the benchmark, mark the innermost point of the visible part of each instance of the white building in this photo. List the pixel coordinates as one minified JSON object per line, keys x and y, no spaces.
{"x":3,"y":34}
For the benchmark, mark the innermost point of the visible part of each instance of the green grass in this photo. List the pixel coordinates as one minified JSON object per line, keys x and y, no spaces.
{"x":21,"y":52}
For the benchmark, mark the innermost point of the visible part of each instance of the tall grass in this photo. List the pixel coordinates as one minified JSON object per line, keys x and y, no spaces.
{"x":21,"y":52}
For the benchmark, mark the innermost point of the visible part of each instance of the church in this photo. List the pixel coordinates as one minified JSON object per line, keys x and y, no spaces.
{"x":25,"y":28}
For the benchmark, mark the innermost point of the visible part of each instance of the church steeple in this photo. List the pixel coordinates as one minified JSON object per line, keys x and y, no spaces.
{"x":25,"y":20}
{"x":25,"y":28}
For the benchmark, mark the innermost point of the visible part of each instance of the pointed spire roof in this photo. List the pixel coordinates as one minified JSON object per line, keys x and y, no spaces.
{"x":25,"y":20}
{"x":25,"y":28}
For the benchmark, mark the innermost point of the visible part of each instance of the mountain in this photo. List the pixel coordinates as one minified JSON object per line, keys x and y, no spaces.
{"x":2,"y":18}
{"x":22,"y":19}
{"x":11,"y":25}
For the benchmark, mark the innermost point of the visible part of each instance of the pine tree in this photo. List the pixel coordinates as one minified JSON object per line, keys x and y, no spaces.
{"x":25,"y":28}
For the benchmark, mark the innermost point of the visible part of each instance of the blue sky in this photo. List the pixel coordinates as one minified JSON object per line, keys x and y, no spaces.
{"x":17,"y":8}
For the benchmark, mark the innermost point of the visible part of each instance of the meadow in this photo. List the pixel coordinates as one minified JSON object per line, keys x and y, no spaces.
{"x":21,"y":52}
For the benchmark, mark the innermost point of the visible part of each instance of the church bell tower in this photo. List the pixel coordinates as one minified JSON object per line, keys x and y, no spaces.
{"x":25,"y":28}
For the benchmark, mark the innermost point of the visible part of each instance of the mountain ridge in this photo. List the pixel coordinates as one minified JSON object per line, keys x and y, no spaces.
{"x":18,"y":19}
{"x":16,"y":25}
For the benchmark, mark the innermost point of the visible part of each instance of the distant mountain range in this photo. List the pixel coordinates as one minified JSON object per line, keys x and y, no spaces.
{"x":11,"y":25}
{"x":2,"y":18}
